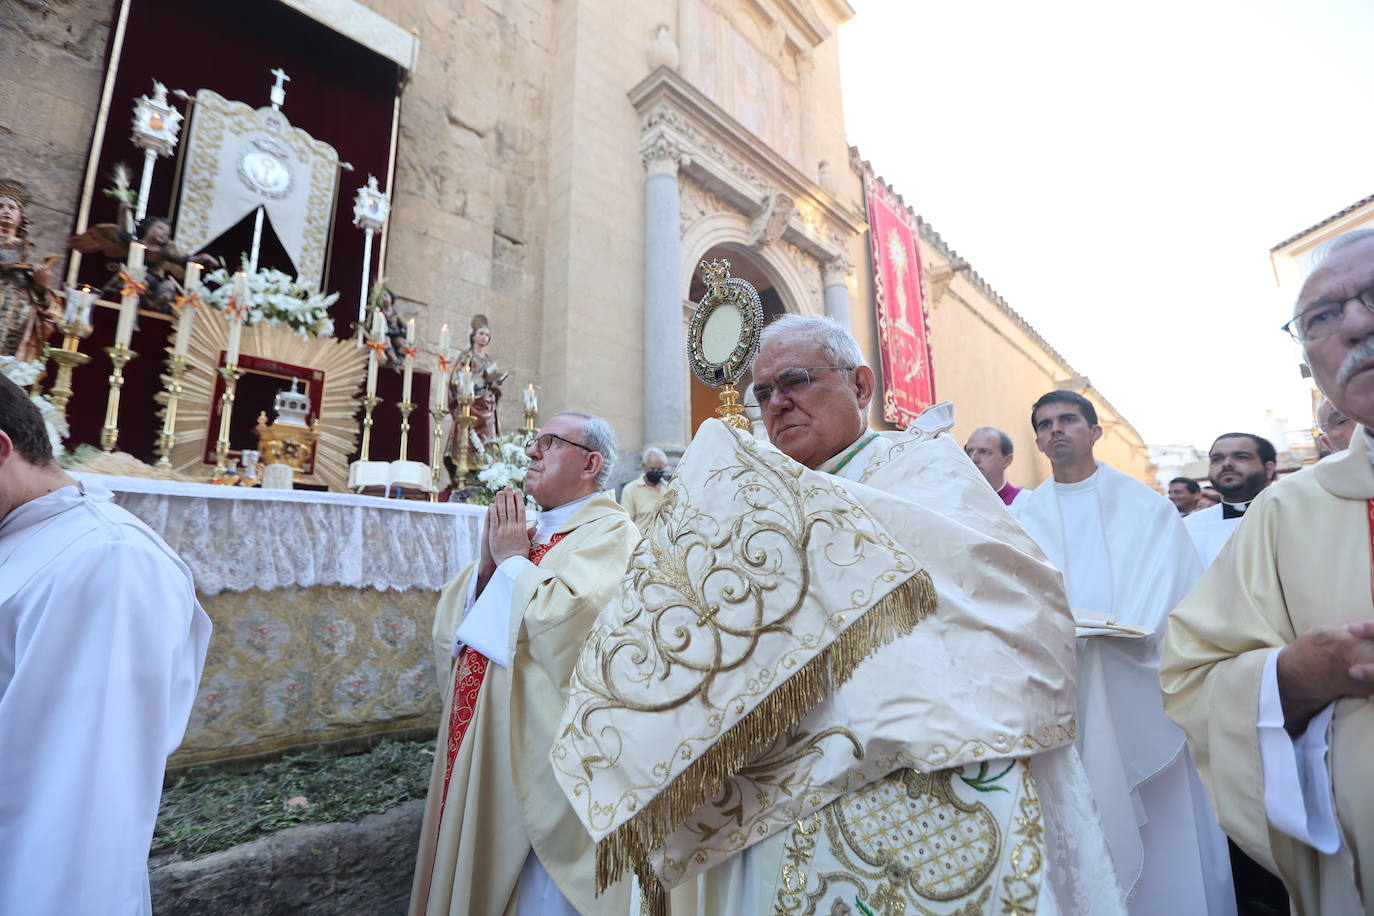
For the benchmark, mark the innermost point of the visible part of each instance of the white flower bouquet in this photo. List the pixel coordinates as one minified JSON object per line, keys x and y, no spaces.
{"x":25,"y":374}
{"x":503,"y":464}
{"x":276,"y":297}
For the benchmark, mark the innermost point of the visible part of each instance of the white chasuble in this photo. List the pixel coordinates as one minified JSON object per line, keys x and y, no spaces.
{"x":102,"y":643}
{"x":496,"y":803}
{"x":1128,"y":559}
{"x":816,"y":691}
{"x":1301,"y":559}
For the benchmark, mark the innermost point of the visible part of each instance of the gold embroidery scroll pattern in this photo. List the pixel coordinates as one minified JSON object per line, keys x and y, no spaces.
{"x":885,"y":857}
{"x":1021,"y":888}
{"x":659,"y":637}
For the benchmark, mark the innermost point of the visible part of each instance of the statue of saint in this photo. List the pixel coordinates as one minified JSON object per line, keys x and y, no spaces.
{"x":487,"y":380}
{"x":28,"y":306}
{"x":383,"y":298}
{"x":166,"y":267}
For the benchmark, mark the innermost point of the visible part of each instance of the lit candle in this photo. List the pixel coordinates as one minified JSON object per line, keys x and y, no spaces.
{"x":531,"y":399}
{"x":239,"y":298}
{"x":377,"y":336}
{"x":409,"y":361}
{"x":74,"y":298}
{"x":443,"y":341}
{"x":128,"y":306}
{"x":465,"y":380}
{"x":187,"y":319}
{"x":83,"y":315}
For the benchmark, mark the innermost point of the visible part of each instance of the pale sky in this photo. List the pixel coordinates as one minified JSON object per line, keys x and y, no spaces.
{"x":1118,"y":173}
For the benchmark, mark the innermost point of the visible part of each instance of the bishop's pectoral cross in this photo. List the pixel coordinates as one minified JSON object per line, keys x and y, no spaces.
{"x":278,"y":91}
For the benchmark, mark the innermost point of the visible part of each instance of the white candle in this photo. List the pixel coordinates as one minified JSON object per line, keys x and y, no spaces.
{"x":443,"y":341}
{"x":409,"y":361}
{"x":239,"y":298}
{"x":531,"y":399}
{"x":74,"y":298}
{"x":83,"y":314}
{"x":465,"y":380}
{"x":377,"y":336}
{"x":187,"y":318}
{"x":438,"y":383}
{"x":128,"y":306}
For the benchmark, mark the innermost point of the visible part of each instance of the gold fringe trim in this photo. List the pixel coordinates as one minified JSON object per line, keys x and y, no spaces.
{"x":627,"y":847}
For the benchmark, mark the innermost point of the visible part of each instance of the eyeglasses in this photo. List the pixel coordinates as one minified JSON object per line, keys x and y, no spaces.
{"x":792,"y":382}
{"x":1320,"y":321}
{"x":545,"y":442}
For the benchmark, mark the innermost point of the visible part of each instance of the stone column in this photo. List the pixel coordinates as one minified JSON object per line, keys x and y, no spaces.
{"x":665,"y":356}
{"x":837,"y":290}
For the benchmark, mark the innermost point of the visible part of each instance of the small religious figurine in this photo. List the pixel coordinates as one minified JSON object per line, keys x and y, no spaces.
{"x":166,"y":267}
{"x":383,"y":298}
{"x":28,"y":305}
{"x":487,"y":380}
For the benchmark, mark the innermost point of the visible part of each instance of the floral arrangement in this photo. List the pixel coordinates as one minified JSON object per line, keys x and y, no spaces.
{"x":25,"y":374}
{"x":276,"y":297}
{"x":503,"y":464}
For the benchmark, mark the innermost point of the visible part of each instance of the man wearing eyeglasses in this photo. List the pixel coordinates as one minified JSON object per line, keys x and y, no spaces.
{"x":838,"y":677}
{"x":1269,"y":662}
{"x":497,"y":832}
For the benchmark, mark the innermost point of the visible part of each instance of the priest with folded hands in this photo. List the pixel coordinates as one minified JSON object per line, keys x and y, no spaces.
{"x":498,"y":836}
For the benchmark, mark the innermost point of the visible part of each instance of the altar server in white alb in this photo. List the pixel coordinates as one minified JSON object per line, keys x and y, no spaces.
{"x":101,"y":648}
{"x":1126,"y":559}
{"x":1240,"y":466}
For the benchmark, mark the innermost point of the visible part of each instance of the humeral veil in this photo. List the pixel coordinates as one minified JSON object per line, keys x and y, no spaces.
{"x":785,"y":638}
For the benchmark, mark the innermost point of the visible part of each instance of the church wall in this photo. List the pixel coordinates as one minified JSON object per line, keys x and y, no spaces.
{"x":469,"y":198}
{"x":53,"y":55}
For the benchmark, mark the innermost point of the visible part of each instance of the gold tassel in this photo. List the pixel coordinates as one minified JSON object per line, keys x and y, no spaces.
{"x":628,"y":846}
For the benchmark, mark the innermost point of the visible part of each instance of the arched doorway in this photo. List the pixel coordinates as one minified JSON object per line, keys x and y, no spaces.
{"x":704,"y":398}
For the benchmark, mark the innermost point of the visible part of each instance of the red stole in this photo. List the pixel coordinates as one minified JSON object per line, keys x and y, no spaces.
{"x":467,"y":684}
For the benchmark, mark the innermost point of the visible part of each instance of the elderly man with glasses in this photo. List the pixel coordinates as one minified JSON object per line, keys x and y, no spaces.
{"x":1269,"y":662}
{"x":496,"y":826}
{"x":838,"y":677}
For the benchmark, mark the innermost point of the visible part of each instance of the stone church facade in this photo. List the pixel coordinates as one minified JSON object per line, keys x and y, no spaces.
{"x":562,"y":167}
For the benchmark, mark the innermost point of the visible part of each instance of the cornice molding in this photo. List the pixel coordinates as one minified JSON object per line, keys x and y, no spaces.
{"x":680,"y":123}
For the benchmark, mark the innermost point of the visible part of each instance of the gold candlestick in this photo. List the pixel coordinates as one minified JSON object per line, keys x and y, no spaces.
{"x":405,"y":407}
{"x":436,"y":451}
{"x":176,"y":368}
{"x":231,"y":375}
{"x":67,"y":357}
{"x":109,"y":433}
{"x":465,"y":421}
{"x":370,"y":403}
{"x":529,"y":428}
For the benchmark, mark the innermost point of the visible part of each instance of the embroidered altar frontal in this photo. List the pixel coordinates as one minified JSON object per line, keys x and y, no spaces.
{"x":322,"y":605}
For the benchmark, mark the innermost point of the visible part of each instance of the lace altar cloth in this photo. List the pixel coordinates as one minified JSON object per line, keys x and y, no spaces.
{"x":240,"y":538}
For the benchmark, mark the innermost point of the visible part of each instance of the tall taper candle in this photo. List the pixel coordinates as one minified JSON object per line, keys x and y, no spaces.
{"x":409,"y":361}
{"x":186,"y":319}
{"x":377,"y":335}
{"x":240,"y":298}
{"x":128,"y":306}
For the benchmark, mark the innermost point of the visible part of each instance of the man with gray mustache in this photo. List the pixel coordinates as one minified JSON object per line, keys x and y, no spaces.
{"x":1269,"y":662}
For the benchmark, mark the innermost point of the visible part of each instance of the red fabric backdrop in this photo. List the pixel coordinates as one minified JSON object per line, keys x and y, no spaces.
{"x":899,"y":294}
{"x":339,"y":92}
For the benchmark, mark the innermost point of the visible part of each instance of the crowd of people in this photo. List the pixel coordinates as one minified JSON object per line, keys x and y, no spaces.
{"x":756,"y":687}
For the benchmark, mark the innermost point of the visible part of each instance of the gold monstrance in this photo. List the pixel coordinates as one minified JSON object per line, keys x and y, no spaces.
{"x":723,"y":338}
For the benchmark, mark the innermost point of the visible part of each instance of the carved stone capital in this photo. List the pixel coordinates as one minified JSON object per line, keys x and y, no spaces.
{"x":938,"y":279}
{"x":661,"y":155}
{"x":838,"y":271}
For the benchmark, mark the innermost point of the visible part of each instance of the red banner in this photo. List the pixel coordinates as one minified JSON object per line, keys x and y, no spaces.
{"x":899,"y":294}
